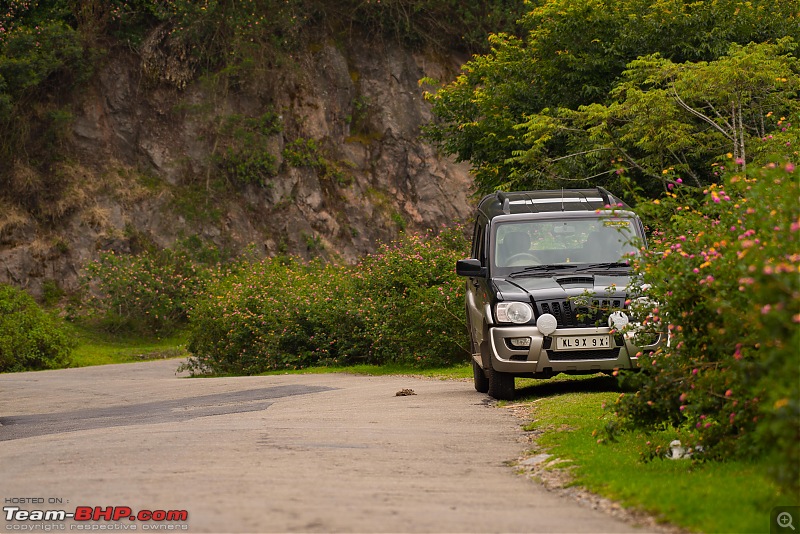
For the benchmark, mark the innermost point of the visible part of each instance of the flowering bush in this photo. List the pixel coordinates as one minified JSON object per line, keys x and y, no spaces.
{"x":403,"y":304}
{"x":29,"y":338}
{"x":148,"y":292}
{"x":724,"y":283}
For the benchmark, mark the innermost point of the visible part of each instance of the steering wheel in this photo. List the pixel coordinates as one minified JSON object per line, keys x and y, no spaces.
{"x":522,"y":258}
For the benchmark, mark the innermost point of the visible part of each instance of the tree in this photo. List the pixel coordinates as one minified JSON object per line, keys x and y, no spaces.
{"x":505,"y":114}
{"x":668,"y":119}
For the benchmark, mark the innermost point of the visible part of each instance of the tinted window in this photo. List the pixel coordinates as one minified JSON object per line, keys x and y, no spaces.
{"x":524,"y":243}
{"x":479,"y":241}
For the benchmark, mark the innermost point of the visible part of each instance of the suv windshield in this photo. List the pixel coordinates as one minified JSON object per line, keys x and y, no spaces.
{"x":564,"y":241}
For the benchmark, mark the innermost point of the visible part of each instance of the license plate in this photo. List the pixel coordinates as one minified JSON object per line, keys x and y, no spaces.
{"x":583,"y":342}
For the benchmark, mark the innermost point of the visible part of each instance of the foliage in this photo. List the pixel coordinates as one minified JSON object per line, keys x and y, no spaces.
{"x":282,"y":314}
{"x":512,"y":112}
{"x":30,"y":339}
{"x":309,"y":153}
{"x":30,"y":55}
{"x":728,"y":292}
{"x":581,"y":46}
{"x":444,"y":24}
{"x":149,"y":292}
{"x":237,"y":26}
{"x":680,"y":117}
{"x":38,"y":55}
{"x":243,"y":148}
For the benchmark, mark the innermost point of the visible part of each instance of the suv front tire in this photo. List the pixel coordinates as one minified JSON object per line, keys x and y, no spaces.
{"x":501,"y":385}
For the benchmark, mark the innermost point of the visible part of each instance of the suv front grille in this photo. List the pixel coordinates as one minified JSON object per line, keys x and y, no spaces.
{"x":570,"y":316}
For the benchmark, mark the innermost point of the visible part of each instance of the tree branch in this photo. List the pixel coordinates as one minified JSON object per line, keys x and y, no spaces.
{"x":699,"y":115}
{"x":580,"y":153}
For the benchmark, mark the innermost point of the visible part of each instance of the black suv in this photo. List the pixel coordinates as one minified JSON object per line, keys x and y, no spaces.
{"x":547,"y":287}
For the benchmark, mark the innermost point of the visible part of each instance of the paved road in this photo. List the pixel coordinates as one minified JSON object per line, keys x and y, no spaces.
{"x":293,"y":453}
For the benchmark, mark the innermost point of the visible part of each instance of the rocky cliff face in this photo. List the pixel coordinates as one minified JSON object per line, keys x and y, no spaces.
{"x":149,"y":134}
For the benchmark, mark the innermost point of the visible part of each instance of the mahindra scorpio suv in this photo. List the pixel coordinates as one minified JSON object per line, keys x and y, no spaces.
{"x":547,"y":283}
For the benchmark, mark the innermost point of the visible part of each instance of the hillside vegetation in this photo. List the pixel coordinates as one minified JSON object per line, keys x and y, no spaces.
{"x":631,"y":95}
{"x":51,"y":47}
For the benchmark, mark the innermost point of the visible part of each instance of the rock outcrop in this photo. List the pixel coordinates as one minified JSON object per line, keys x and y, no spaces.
{"x":146,"y":145}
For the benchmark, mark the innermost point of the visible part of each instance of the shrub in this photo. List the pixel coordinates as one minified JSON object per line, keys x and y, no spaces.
{"x":727,"y":289}
{"x":403,"y":304}
{"x":30,"y":339}
{"x":244,"y":153}
{"x":417,"y":301}
{"x":149,"y":292}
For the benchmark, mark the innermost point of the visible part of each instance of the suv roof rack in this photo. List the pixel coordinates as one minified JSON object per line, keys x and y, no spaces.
{"x":607,"y":197}
{"x":547,"y":200}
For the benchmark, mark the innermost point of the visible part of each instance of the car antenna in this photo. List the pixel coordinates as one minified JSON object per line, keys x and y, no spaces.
{"x":562,"y":199}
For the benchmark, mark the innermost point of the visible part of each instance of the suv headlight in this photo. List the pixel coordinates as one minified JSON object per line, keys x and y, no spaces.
{"x":513,"y":312}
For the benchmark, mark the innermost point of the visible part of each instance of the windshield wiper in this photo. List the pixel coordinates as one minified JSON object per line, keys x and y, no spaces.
{"x":605,"y":266}
{"x":535,"y":270}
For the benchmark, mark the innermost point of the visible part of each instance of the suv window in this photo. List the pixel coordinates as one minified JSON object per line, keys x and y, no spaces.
{"x":479,"y":241}
{"x":558,"y":241}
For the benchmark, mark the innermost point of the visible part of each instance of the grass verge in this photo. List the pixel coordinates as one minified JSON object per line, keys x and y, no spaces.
{"x":95,"y":347}
{"x":459,"y":372}
{"x":734,"y":496}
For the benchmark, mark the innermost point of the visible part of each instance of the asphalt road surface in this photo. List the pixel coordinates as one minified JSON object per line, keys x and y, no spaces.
{"x":292,"y":453}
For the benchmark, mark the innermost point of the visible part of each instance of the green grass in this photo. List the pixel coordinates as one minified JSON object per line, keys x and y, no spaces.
{"x":733,"y":496}
{"x":97,"y":347}
{"x":101,"y":348}
{"x":445,"y":373}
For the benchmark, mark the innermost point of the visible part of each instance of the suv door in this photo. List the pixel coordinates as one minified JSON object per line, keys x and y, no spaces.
{"x":477,"y":286}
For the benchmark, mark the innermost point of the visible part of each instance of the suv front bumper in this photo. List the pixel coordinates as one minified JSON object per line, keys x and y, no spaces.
{"x":542,"y":357}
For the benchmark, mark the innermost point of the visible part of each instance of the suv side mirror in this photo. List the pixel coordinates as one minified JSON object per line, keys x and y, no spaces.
{"x":470,"y":267}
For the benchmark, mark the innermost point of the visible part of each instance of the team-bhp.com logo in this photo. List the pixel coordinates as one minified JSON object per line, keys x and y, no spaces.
{"x":161,"y":518}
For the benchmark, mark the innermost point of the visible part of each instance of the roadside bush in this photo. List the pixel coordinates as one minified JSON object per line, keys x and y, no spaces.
{"x":148,"y":293}
{"x":30,"y":339}
{"x":415,"y":311}
{"x":728,"y":291}
{"x":401,"y":305}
